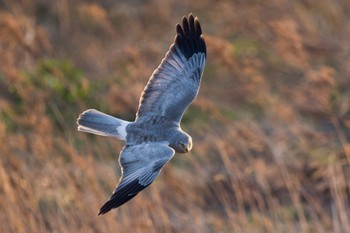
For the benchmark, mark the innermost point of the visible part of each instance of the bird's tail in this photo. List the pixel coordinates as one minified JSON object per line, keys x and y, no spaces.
{"x":96,"y":122}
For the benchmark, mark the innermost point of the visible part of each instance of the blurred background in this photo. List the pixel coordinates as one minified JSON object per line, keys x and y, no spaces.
{"x":271,"y":124}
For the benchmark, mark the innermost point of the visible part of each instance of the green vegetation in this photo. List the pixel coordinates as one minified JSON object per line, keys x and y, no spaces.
{"x":62,"y":79}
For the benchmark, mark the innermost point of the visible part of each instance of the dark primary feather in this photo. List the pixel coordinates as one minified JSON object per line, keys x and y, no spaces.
{"x":189,"y":37}
{"x":175,"y":83}
{"x":121,"y":196}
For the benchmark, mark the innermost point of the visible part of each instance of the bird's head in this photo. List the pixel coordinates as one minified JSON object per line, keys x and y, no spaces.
{"x":180,"y":141}
{"x":184,"y":144}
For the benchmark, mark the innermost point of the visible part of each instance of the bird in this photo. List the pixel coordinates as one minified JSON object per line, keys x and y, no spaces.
{"x":155,"y":135}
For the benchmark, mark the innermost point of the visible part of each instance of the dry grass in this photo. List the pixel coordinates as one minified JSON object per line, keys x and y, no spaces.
{"x":271,"y":125}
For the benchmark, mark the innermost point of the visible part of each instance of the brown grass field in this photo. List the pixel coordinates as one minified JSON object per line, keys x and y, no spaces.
{"x":271,"y":124}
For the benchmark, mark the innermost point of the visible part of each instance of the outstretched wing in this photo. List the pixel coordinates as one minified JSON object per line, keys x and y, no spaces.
{"x":140,"y":164}
{"x":175,"y":83}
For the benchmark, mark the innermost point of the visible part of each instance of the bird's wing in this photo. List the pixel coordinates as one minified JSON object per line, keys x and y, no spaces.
{"x":175,"y":83}
{"x":140,"y":165}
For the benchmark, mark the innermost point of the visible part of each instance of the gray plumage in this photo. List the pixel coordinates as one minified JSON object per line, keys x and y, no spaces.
{"x":155,"y":135}
{"x":96,"y":122}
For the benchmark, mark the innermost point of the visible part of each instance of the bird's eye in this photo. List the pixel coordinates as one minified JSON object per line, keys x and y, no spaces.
{"x":182,"y":145}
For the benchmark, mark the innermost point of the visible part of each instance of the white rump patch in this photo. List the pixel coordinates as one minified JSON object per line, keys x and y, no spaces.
{"x":122,"y":129}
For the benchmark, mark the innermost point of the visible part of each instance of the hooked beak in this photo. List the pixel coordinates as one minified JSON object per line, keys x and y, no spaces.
{"x":189,"y":147}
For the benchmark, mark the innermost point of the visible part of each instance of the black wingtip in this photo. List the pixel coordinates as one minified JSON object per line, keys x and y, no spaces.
{"x":179,"y":29}
{"x":190,"y":16}
{"x":189,"y":26}
{"x":105,"y":208}
{"x":103,"y":211}
{"x":122,"y":195}
{"x":197,"y":25}
{"x":189,"y":36}
{"x":185,"y":26}
{"x":108,"y":206}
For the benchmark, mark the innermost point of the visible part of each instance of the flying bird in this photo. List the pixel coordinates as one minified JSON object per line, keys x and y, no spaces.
{"x":155,"y":135}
